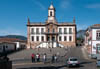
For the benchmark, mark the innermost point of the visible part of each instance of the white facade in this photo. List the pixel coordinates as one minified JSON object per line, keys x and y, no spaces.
{"x":94,"y":41}
{"x":7,"y":47}
{"x":51,"y":36}
{"x":40,"y":34}
{"x":67,"y":35}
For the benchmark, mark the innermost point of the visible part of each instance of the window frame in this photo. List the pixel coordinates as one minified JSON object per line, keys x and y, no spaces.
{"x":32,"y":38}
{"x":60,"y":30}
{"x":60,"y":38}
{"x":37,"y":38}
{"x":65,"y":30}
{"x":98,"y":35}
{"x":42,"y":38}
{"x":70,"y":38}
{"x":70,"y":30}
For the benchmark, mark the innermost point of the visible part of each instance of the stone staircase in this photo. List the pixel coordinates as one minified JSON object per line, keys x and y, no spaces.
{"x":49,"y":45}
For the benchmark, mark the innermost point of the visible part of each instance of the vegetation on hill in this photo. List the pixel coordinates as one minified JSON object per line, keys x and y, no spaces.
{"x":15,"y":36}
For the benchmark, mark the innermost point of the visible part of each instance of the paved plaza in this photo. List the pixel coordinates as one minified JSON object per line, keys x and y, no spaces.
{"x":22,"y":59}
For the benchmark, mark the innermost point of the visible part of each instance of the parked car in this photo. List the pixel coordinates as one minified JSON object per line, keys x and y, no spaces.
{"x":98,"y":63}
{"x":72,"y":61}
{"x":93,"y":56}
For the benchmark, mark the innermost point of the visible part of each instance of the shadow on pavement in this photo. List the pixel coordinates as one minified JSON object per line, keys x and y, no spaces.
{"x":85,"y":62}
{"x":50,"y":67}
{"x":46,"y":67}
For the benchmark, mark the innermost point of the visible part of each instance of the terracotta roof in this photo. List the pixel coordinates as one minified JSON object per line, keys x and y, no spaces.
{"x":10,"y":40}
{"x":96,"y":25}
{"x":7,"y":42}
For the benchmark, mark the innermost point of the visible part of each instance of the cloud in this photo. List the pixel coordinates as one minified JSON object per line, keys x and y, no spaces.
{"x":64,"y":4}
{"x":39,"y":4}
{"x":96,"y":5}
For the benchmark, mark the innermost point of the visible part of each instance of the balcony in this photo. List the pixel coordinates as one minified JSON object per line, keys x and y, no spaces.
{"x":51,"y":33}
{"x":98,"y":38}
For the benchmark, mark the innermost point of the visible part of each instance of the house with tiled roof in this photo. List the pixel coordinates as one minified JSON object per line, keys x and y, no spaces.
{"x":11,"y":44}
{"x":92,"y":39}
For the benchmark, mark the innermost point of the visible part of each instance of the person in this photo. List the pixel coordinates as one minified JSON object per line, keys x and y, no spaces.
{"x":33,"y":57}
{"x":38,"y":57}
{"x":55,"y":58}
{"x":6,"y":58}
{"x":44,"y":57}
{"x":52,"y":58}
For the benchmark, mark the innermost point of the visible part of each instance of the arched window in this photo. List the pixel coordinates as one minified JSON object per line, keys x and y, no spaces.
{"x":50,"y":13}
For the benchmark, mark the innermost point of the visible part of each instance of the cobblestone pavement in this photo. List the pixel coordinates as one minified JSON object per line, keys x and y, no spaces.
{"x":79,"y":52}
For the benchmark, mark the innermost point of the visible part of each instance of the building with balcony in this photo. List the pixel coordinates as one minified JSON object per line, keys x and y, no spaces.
{"x":51,"y":33}
{"x":92,"y":39}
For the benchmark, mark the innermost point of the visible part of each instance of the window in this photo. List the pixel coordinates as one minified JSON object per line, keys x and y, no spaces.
{"x":98,"y":48}
{"x":60,"y":30}
{"x":42,"y":38}
{"x":60,"y":38}
{"x":98,"y":35}
{"x":37,"y":38}
{"x":53,"y":30}
{"x":32,"y":38}
{"x":65,"y":30}
{"x":48,"y":30}
{"x":70,"y":38}
{"x":32,"y":31}
{"x":70,"y":30}
{"x":42,"y":30}
{"x":65,"y":38}
{"x":37,"y":30}
{"x":50,"y":13}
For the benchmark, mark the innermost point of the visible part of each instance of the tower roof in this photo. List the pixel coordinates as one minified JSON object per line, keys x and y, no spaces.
{"x":51,"y":6}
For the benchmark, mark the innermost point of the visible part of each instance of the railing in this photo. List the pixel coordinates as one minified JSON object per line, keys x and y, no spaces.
{"x":52,"y":33}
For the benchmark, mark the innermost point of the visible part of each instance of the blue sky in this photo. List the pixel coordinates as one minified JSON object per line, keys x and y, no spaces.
{"x":14,"y":13}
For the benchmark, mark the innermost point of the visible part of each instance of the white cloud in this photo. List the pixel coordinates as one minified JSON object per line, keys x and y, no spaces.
{"x":96,"y":5}
{"x":39,"y":4}
{"x":64,"y":4}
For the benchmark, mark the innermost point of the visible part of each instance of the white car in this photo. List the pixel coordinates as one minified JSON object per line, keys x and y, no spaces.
{"x":72,"y":61}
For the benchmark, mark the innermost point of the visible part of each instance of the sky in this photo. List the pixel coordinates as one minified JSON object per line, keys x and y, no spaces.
{"x":14,"y":13}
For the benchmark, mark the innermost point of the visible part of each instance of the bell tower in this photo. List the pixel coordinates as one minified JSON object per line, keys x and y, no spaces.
{"x":51,"y":13}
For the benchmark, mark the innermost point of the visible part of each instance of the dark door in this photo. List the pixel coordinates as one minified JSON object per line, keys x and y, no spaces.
{"x":48,"y":38}
{"x":53,"y":38}
{"x":4,"y":49}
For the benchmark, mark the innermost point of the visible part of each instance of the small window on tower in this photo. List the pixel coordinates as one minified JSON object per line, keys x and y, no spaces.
{"x":53,"y":30}
{"x":48,"y":30}
{"x":50,"y":13}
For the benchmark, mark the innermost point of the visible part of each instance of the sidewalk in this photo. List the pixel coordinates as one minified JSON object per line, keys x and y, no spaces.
{"x":85,"y":53}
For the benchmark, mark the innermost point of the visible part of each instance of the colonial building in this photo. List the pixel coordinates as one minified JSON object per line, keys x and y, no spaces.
{"x":51,"y":33}
{"x":92,"y":39}
{"x":11,"y":44}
